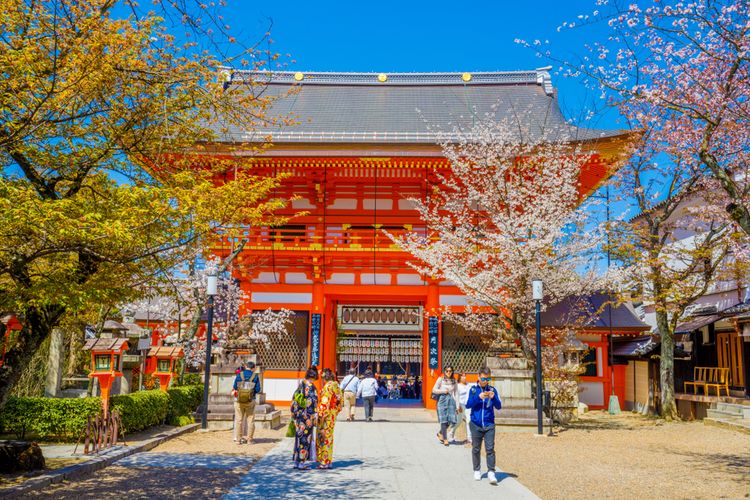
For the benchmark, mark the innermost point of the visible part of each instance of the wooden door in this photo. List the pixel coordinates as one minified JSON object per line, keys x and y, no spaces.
{"x":729,"y":351}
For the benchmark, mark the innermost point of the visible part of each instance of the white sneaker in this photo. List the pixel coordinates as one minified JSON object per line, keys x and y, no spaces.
{"x":491,"y":477}
{"x":477,"y":475}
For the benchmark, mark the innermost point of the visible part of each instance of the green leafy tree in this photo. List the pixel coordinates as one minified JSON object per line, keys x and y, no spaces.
{"x":108,"y":179}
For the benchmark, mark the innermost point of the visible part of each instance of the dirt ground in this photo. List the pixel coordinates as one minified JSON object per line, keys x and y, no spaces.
{"x":147,"y":480}
{"x":627,"y":456}
{"x":220,"y":443}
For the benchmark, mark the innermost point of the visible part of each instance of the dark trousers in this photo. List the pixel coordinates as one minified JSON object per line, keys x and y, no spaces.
{"x":477,"y":435}
{"x":369,"y":402}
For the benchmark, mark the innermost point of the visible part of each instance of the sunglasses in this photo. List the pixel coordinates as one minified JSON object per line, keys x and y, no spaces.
{"x":485,"y":379}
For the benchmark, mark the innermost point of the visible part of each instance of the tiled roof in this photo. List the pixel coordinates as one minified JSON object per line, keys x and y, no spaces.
{"x":420,"y":108}
{"x":592,"y":311}
{"x":166,"y":352}
{"x":105,"y":345}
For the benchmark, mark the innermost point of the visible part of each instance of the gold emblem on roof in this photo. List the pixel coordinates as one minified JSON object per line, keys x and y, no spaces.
{"x":382,"y":77}
{"x":298,"y":76}
{"x":466,"y":77}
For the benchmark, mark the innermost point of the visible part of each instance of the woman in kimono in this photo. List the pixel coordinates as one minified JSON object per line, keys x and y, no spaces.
{"x":304,"y":406}
{"x":331,"y":402}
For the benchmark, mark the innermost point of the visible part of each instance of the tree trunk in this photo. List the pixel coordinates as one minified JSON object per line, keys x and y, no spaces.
{"x":37,"y":326}
{"x":668,"y":403}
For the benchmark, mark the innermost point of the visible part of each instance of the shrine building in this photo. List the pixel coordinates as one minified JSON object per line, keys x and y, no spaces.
{"x":362,"y":145}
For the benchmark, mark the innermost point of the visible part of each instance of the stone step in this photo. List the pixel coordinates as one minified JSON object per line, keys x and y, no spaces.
{"x":712,"y":413}
{"x":260,"y":409}
{"x":734,"y":409}
{"x":516,"y":413}
{"x":737,"y":424}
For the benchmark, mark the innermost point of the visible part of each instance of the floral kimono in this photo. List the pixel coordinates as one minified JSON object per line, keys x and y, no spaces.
{"x":303,"y":413}
{"x":331,"y":402}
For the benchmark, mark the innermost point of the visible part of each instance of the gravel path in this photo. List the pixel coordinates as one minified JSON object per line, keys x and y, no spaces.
{"x":625,"y":456}
{"x":195,"y":465}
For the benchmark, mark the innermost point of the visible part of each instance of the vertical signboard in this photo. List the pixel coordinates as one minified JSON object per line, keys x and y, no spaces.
{"x":432,"y":335}
{"x":315,"y":340}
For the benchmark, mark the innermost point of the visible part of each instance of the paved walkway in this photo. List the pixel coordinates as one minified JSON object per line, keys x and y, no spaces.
{"x":377,"y":460}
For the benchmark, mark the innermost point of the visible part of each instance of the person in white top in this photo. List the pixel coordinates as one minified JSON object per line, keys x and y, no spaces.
{"x":463,"y":397}
{"x":368,"y":391}
{"x":350,"y":386}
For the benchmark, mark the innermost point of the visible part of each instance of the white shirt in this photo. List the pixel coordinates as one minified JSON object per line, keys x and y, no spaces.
{"x":350,"y":384}
{"x":368,"y":387}
{"x":463,"y":393}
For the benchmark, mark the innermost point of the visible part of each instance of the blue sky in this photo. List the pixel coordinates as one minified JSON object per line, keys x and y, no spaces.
{"x":422,"y":36}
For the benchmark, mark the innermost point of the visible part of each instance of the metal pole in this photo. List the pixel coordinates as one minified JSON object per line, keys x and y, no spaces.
{"x":539,"y":402}
{"x":209,"y":334}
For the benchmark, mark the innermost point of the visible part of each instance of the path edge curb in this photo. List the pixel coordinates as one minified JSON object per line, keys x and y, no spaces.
{"x":83,"y":469}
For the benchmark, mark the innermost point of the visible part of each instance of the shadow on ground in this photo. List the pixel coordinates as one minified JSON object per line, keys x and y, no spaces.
{"x":275,"y":478}
{"x":147,"y":482}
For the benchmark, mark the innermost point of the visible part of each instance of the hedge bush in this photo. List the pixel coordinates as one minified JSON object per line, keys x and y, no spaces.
{"x":47,"y":417}
{"x":183,"y":401}
{"x":65,"y":418}
{"x":140,"y":410}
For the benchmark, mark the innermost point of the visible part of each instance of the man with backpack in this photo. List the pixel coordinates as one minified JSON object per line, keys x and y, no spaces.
{"x":246,"y":386}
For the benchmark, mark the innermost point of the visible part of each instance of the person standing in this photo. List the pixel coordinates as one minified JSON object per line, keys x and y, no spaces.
{"x":304,"y":406}
{"x":483,"y":401}
{"x":349,"y":386}
{"x":246,"y":386}
{"x":446,"y":392}
{"x":368,"y":391}
{"x":458,"y":431}
{"x":329,"y":407}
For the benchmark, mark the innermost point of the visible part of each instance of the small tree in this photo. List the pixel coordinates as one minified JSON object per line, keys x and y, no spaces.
{"x":675,"y":248}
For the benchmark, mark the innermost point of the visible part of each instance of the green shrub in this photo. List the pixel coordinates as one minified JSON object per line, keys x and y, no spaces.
{"x":47,"y":418}
{"x":182,"y":420}
{"x":140,"y":410}
{"x":65,"y":418}
{"x":183,"y":401}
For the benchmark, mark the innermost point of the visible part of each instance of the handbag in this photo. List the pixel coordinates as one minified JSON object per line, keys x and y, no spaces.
{"x":291,"y":429}
{"x":435,"y":397}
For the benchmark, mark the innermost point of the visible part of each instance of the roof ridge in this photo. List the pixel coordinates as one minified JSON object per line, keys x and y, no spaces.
{"x":539,"y":76}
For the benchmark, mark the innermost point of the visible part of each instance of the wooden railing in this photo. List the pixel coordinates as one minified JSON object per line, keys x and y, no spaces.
{"x":335,"y":239}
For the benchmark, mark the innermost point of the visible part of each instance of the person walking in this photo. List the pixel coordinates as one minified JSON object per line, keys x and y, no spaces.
{"x":368,"y":391}
{"x":303,"y":408}
{"x":458,"y":431}
{"x":246,"y":386}
{"x":329,"y":407}
{"x":445,"y":391}
{"x":483,"y":401}
{"x":349,"y":386}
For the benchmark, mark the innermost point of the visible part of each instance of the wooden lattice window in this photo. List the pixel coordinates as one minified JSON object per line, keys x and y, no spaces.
{"x":287,"y":351}
{"x":464,"y":350}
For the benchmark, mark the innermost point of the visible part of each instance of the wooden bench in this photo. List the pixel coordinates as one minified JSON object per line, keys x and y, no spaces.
{"x":707,"y":377}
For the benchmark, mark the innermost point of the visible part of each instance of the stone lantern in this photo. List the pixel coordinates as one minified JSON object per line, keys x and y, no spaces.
{"x":106,"y":364}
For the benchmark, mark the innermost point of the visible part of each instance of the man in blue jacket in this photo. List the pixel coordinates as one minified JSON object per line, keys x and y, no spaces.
{"x":483,"y":401}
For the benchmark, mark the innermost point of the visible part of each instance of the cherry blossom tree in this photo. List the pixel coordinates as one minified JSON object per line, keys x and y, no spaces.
{"x":505,"y":214}
{"x":678,"y":245}
{"x":683,"y":70}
